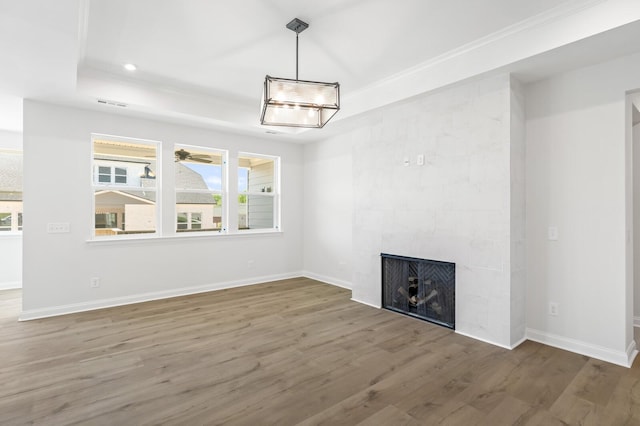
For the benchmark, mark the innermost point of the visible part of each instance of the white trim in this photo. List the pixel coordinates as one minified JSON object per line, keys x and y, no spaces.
{"x":151,"y":237}
{"x":632,"y":352}
{"x":10,"y":235}
{"x":636,"y":321}
{"x":518,"y":343}
{"x":10,"y":285}
{"x":366,"y":303}
{"x":491,"y":342}
{"x":329,"y":280}
{"x":536,"y":21}
{"x":623,"y":358}
{"x":32,"y":314}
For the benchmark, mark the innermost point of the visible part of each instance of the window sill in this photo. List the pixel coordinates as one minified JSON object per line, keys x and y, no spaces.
{"x":11,"y":234}
{"x":132,"y":238}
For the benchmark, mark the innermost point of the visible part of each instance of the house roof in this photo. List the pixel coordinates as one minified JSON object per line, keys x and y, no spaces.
{"x":185,"y":178}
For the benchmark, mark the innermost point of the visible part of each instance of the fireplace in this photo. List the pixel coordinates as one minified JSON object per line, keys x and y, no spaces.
{"x":421,"y":288}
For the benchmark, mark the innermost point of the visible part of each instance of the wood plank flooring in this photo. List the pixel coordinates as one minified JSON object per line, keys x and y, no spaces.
{"x":284,"y":353}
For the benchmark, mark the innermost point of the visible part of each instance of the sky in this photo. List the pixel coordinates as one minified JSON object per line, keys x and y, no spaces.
{"x":212,"y":175}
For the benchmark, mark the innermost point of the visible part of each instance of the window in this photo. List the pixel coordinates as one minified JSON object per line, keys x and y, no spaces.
{"x":5,"y":221}
{"x":106,"y":220}
{"x":10,"y":191}
{"x":112,"y":174}
{"x":189,"y":221}
{"x":200,"y":188}
{"x":258,"y":192}
{"x":124,"y":184}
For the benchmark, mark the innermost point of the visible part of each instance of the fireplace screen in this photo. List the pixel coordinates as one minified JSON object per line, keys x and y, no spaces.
{"x":421,"y":288}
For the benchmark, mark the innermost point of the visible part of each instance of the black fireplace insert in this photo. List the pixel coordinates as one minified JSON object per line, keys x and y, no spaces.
{"x":421,"y":288}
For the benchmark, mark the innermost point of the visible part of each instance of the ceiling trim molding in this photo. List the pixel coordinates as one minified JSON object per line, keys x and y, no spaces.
{"x":543,"y":18}
{"x":498,"y":51}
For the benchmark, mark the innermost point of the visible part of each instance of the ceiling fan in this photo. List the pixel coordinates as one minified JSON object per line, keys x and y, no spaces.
{"x":182,"y":155}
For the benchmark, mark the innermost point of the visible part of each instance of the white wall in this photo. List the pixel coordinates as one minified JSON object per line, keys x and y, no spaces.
{"x":577,"y":180}
{"x":10,"y":245}
{"x":636,"y":227}
{"x":328,"y":210}
{"x":517,"y":196}
{"x":457,"y":207}
{"x":58,"y":267}
{"x":10,"y":261}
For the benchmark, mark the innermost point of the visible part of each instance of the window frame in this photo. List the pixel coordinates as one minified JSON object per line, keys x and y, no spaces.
{"x":275,"y":192}
{"x":15,"y":212}
{"x":223,"y":192}
{"x":96,"y":186}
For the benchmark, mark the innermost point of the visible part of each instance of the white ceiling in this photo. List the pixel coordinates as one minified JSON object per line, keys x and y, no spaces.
{"x":203,"y":61}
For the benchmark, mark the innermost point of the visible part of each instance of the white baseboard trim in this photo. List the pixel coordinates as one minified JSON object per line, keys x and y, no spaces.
{"x":491,"y":342}
{"x":329,"y":280}
{"x":624,"y":359}
{"x":366,"y":303}
{"x":11,"y":285}
{"x":32,"y":314}
{"x":636,"y":321}
{"x":519,"y":342}
{"x":632,"y":352}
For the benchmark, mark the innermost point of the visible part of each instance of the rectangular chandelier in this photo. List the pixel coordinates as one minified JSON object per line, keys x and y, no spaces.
{"x":298,"y":103}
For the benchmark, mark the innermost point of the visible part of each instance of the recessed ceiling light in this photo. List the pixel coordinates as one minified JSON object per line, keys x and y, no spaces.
{"x":130,"y":67}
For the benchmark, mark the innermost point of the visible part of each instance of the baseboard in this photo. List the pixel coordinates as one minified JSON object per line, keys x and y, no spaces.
{"x":632,"y":352}
{"x":471,"y":336}
{"x":10,"y":285}
{"x":519,"y":342}
{"x":32,"y":314}
{"x":624,"y":359}
{"x":366,"y":303}
{"x":329,"y":280}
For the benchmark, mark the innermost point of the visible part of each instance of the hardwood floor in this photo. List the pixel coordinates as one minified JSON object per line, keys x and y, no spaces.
{"x":290,"y":352}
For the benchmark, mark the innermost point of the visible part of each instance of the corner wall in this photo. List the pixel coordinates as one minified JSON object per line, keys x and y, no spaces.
{"x":577,"y":181}
{"x":636,"y":228}
{"x":328,"y":210}
{"x":57,"y":188}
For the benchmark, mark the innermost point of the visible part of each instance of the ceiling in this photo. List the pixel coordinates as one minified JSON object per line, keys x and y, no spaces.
{"x":203,"y":62}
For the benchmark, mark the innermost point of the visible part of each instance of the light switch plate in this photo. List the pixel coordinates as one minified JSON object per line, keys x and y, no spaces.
{"x":58,"y":227}
{"x":552,"y":233}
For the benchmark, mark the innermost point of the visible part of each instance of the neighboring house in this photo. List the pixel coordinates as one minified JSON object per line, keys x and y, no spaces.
{"x":132,"y":209}
{"x":10,"y":191}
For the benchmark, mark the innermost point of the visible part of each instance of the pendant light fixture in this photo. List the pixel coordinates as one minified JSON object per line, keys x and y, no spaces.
{"x":298,"y":103}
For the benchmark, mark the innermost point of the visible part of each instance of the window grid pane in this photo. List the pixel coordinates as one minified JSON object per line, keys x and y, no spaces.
{"x":199,"y":177}
{"x":257,"y":192}
{"x":124,"y":186}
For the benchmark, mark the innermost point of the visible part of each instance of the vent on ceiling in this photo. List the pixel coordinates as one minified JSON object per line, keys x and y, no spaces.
{"x":112,"y":103}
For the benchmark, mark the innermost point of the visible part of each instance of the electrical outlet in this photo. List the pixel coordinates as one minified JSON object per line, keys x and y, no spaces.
{"x":552,"y":233}
{"x":95,"y":282}
{"x":554,"y":309}
{"x":420,"y":160}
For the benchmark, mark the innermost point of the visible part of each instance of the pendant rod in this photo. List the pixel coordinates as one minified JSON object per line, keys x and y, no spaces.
{"x":297,"y":26}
